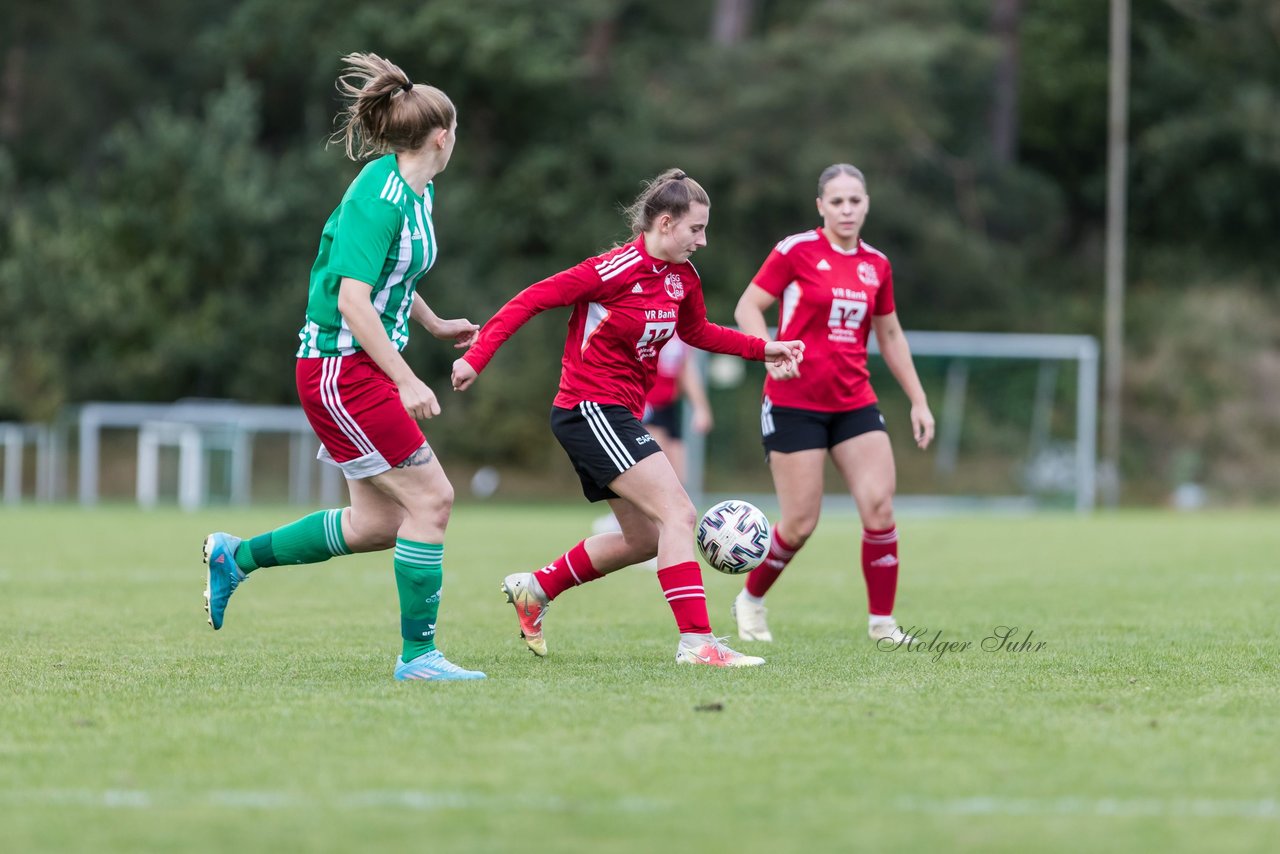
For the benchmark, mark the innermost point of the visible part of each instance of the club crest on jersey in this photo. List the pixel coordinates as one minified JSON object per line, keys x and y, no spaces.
{"x":674,"y":286}
{"x":867,"y":274}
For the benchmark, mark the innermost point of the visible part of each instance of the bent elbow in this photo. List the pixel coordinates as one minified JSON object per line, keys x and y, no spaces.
{"x":347,"y":305}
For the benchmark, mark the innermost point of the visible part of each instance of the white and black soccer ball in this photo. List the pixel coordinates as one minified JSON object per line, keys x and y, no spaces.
{"x":734,"y":537}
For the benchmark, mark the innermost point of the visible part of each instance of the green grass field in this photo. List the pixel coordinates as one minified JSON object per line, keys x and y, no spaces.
{"x":1147,"y":722}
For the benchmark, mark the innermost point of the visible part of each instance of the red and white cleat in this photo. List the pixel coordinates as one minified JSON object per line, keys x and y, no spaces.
{"x":531,"y":604}
{"x":712,"y":651}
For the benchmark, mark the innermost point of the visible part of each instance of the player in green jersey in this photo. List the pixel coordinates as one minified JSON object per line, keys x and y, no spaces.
{"x":361,"y":397}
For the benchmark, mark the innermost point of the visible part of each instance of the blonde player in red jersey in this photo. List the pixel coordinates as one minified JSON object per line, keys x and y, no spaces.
{"x":627,"y":303}
{"x":834,"y":289}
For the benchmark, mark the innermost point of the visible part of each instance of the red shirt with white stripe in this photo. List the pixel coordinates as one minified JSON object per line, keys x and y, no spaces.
{"x":827,"y":298}
{"x":626,"y":306}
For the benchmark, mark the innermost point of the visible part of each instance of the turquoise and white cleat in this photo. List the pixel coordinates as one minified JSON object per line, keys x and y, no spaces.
{"x":433,"y":667}
{"x":223,"y":577}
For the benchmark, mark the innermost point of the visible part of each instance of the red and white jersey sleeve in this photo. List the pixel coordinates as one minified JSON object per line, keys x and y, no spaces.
{"x":626,"y":306}
{"x":827,"y":298}
{"x":564,"y":288}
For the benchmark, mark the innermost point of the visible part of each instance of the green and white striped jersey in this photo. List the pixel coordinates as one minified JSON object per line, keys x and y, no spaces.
{"x":380,"y":234}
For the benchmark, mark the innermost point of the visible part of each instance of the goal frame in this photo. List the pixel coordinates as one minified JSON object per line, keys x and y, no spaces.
{"x":962,"y":346}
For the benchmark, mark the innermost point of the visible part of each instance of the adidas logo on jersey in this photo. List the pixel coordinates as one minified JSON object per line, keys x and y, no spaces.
{"x":417,"y":234}
{"x":637,"y":289}
{"x":885,"y":562}
{"x":823,"y":265}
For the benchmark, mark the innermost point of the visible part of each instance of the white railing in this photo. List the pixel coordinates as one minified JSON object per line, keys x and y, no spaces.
{"x":195,"y":427}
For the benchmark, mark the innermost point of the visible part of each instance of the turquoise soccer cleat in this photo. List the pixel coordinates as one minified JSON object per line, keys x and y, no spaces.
{"x":223,"y":577}
{"x":433,"y":667}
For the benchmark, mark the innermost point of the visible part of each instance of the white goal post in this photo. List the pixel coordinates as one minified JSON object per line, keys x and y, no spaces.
{"x":959,"y":349}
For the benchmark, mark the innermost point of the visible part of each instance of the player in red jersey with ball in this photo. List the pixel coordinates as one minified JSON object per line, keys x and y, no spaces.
{"x":627,"y":303}
{"x":833,"y":290}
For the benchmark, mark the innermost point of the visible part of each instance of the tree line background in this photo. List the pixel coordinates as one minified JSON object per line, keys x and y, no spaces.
{"x":165,"y":176}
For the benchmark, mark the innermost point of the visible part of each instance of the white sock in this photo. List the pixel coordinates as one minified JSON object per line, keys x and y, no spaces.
{"x":877,"y":619}
{"x":754,"y":600}
{"x":536,"y":587}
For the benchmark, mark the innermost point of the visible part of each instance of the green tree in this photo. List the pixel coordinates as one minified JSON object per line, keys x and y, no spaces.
{"x":179,"y":259}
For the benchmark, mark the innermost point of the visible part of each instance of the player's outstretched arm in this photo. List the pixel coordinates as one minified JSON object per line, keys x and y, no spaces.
{"x":460,"y":331}
{"x":749,"y":313}
{"x":564,"y":288}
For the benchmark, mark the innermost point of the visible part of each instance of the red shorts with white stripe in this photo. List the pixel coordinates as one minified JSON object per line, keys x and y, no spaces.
{"x":355,"y":409}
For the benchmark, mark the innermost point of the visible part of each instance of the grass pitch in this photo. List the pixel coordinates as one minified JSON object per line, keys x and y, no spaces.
{"x":1146,"y":721}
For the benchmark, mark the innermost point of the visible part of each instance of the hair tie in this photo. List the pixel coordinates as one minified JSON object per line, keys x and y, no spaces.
{"x":679,"y":176}
{"x":406,"y":86}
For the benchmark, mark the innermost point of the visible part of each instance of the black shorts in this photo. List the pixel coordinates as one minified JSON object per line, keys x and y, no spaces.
{"x":602,"y":440}
{"x":667,"y":418}
{"x":787,"y":429}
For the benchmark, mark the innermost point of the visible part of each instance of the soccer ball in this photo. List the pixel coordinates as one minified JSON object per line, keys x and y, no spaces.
{"x":734,"y":537}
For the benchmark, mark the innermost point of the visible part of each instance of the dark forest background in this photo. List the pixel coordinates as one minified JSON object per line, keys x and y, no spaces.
{"x":165,"y":176}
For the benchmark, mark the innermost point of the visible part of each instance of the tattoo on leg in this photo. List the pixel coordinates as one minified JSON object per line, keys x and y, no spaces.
{"x":420,"y":457}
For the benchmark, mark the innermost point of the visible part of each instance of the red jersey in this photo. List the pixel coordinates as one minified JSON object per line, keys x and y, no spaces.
{"x":626,"y":306}
{"x":666,"y":379}
{"x":826,"y":298}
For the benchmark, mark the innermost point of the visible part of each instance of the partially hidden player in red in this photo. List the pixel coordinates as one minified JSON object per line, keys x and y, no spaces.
{"x":627,"y":303}
{"x":834,"y":289}
{"x":676,"y":381}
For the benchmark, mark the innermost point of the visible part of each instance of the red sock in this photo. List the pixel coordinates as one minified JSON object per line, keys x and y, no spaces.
{"x":880,"y":569}
{"x":682,"y":584}
{"x":569,"y":570}
{"x":763,"y":576}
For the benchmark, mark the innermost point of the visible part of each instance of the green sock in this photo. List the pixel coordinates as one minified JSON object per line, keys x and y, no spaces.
{"x":419,"y":574}
{"x":311,"y":539}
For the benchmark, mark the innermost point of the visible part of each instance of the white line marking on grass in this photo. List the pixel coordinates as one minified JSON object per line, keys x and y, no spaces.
{"x":1266,"y":808}
{"x":355,"y":800}
{"x":126,"y":798}
{"x":256,"y":800}
{"x":110,"y":798}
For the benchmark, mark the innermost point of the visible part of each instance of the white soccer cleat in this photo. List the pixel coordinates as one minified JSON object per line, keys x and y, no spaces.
{"x":524,"y":592}
{"x":432,"y":667}
{"x":750,"y":616}
{"x":882,"y":629}
{"x":711,"y":651}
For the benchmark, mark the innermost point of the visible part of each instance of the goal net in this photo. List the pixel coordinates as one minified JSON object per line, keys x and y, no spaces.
{"x":1016,"y":424}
